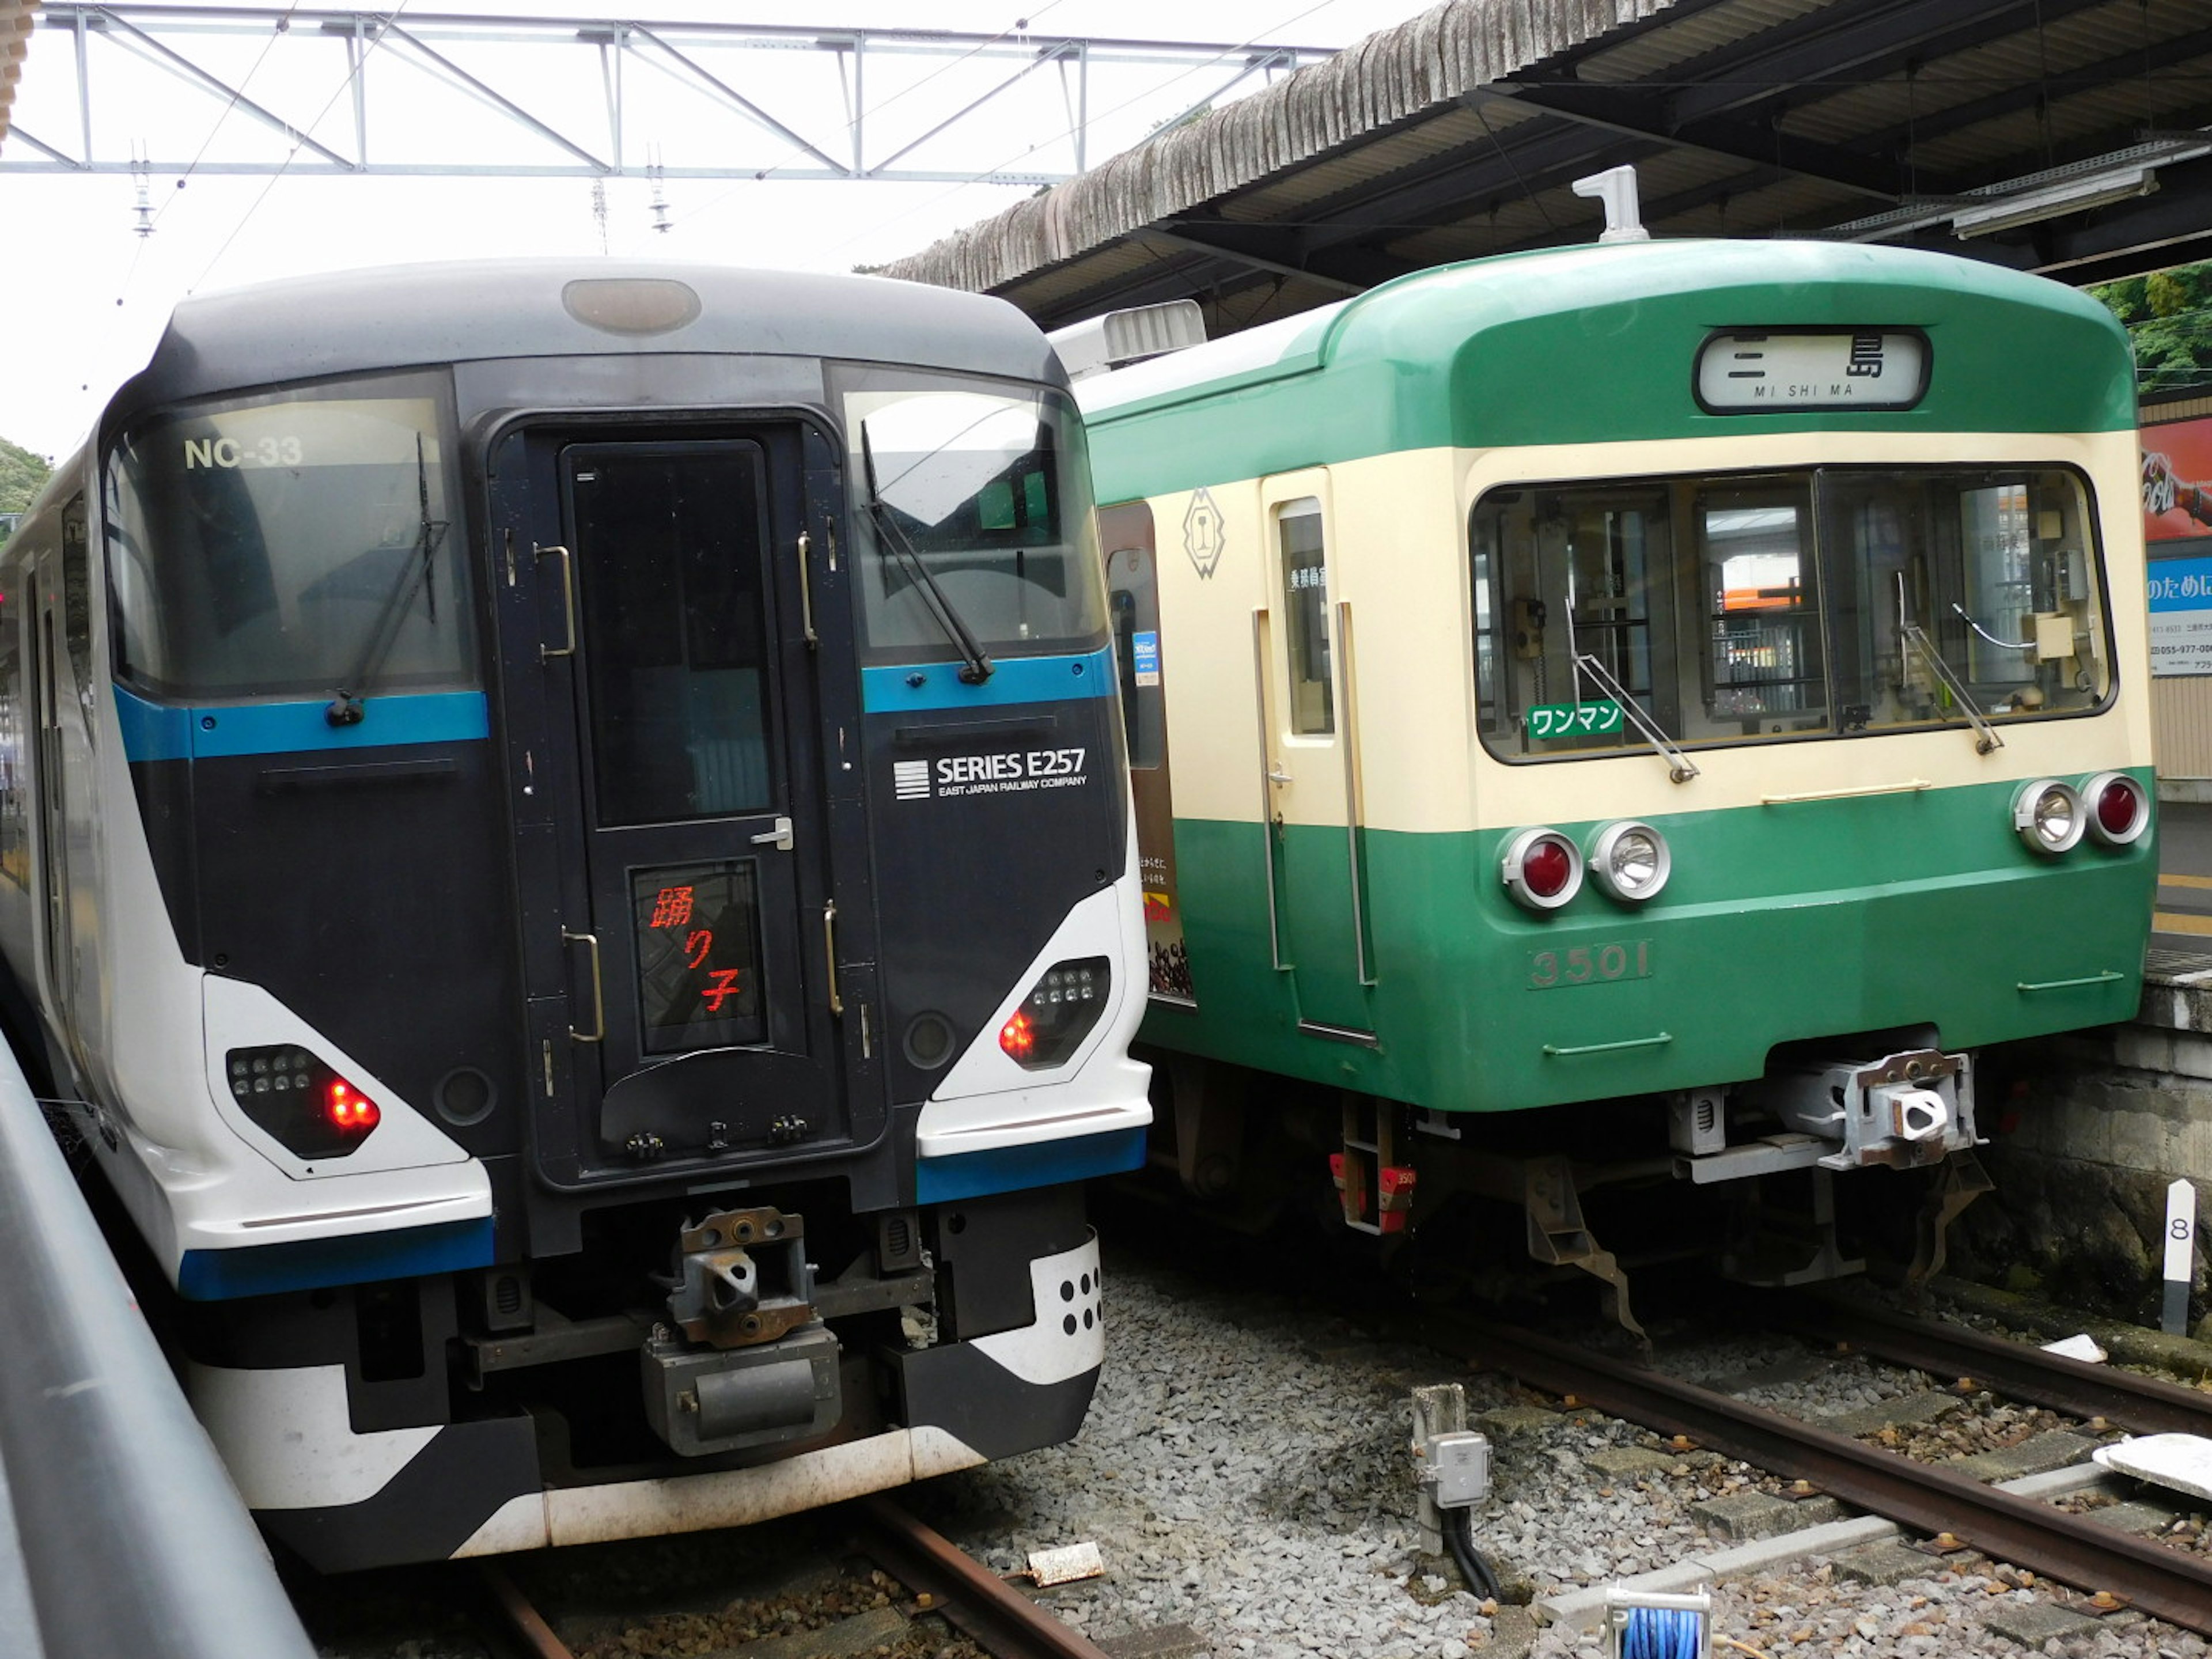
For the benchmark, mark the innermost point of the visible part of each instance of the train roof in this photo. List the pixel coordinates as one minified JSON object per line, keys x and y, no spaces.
{"x":1593,"y":344}
{"x":358,"y":321}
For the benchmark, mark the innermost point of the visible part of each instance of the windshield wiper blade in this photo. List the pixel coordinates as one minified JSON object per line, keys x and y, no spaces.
{"x":1985,"y":735}
{"x":975,"y":667}
{"x":1679,"y":767}
{"x":345,"y":708}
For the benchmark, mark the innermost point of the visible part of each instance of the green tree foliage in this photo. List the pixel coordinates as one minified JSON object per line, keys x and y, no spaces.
{"x":21,"y":474}
{"x":2169,"y":315}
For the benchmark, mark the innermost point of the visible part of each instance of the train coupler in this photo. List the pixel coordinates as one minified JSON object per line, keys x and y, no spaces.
{"x":1905,"y":1110}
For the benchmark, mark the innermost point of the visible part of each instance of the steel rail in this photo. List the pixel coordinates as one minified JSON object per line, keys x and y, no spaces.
{"x":1001,"y":1618}
{"x":2147,"y":1405}
{"x":2164,"y":1582}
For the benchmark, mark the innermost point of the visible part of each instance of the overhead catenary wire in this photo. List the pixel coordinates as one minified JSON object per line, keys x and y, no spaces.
{"x":383,"y":26}
{"x":1019,"y":26}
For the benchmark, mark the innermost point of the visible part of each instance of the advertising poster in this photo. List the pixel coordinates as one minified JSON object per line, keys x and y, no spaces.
{"x":2177,"y":503}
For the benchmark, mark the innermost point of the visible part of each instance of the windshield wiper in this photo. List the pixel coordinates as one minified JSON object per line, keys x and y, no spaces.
{"x":975,"y":666}
{"x":1679,"y":767}
{"x":1985,"y":735}
{"x":345,"y":708}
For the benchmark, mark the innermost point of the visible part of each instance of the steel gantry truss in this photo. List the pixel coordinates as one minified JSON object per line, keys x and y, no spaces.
{"x":572,"y":97}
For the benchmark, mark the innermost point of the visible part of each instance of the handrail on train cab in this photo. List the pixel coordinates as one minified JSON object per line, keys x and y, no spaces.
{"x":133,"y":1538}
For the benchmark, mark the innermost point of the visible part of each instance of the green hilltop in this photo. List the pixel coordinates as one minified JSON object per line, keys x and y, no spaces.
{"x":21,"y":474}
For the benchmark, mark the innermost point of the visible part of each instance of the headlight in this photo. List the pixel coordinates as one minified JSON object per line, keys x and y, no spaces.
{"x":1541,"y":868}
{"x":1630,"y":859}
{"x":2118,"y":809}
{"x":2048,"y":815}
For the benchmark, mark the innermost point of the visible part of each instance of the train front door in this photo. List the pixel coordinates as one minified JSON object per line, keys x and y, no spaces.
{"x":664,"y":684}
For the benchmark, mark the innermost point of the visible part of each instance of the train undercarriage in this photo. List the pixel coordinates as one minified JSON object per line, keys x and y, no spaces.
{"x":1742,"y":1176}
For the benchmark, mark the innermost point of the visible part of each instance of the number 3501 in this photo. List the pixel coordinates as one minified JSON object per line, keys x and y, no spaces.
{"x":1589,"y":964}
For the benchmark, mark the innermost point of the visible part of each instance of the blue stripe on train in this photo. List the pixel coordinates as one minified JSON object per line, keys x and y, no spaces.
{"x":924,"y":685}
{"x":156,"y":731}
{"x":352,"y":1259}
{"x":1035,"y":1163}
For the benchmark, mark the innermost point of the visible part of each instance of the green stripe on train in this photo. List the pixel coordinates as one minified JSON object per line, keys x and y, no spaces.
{"x":1527,"y":350}
{"x":1860,"y":915}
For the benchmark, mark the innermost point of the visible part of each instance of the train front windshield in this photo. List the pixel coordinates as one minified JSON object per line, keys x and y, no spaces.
{"x":292,"y":543}
{"x":972,"y":512}
{"x":1775,"y":607}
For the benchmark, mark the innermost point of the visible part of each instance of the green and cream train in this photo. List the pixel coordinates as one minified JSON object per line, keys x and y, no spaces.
{"x":1704,"y":679}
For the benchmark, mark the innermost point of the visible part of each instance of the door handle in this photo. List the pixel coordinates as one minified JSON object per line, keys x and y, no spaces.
{"x":829,"y":952}
{"x":807,"y":591}
{"x":599,"y":1031}
{"x":779,"y":837}
{"x":547,"y":653}
{"x":1276,"y":774}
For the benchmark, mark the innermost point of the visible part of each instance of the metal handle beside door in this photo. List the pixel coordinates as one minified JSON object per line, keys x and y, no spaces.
{"x":599,"y":1031}
{"x":779,"y":837}
{"x":547,"y":653}
{"x":829,"y":953}
{"x":807,"y":591}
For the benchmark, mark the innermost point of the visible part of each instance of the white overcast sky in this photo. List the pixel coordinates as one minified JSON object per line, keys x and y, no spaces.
{"x":92,"y":295}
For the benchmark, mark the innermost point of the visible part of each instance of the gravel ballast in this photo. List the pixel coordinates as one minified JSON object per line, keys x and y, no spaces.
{"x":1245,"y":1472}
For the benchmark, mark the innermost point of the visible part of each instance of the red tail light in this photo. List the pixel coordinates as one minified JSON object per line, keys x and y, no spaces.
{"x":1017,"y":1037}
{"x":1548,"y":868}
{"x":349,"y":1112}
{"x":1541,"y":868}
{"x":301,"y":1100}
{"x":2119,"y":808}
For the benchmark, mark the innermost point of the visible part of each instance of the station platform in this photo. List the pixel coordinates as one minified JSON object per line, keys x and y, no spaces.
{"x":2183,"y":923}
{"x":2088,"y":1130}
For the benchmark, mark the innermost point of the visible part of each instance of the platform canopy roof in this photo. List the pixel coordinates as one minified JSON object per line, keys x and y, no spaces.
{"x":2068,"y":136}
{"x":17,"y":17}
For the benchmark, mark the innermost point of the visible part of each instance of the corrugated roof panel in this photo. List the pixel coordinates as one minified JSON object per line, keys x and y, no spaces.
{"x":1455,"y":130}
{"x":2020,"y":59}
{"x":1681,"y":39}
{"x":1376,"y":84}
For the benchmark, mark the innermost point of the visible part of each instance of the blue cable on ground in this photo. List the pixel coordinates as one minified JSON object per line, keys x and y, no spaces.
{"x":1661,"y":1633}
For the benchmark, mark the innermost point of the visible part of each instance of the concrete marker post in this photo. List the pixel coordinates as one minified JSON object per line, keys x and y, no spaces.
{"x":2180,"y":1235}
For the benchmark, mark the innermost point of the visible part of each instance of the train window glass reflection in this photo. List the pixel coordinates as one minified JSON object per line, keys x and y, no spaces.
{"x":1762,"y":655}
{"x":1998,"y":572}
{"x":1565,"y":577}
{"x":1782,"y":617}
{"x":989,"y":483}
{"x":1305,"y":609}
{"x":292,"y":542}
{"x":668,"y":546}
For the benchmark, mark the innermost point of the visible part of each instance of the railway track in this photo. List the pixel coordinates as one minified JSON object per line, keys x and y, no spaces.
{"x":2143,"y":1405}
{"x":944,"y":1579}
{"x":2069,"y":1549}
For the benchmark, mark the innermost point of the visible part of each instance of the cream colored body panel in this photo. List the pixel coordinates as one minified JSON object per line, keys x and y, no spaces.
{"x":1398,"y":558}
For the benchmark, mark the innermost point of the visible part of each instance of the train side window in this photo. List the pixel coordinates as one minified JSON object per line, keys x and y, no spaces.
{"x":1133,"y":601}
{"x":1306,"y":604}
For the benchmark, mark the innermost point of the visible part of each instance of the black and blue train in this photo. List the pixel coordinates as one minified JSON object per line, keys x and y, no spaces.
{"x":566,"y":826}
